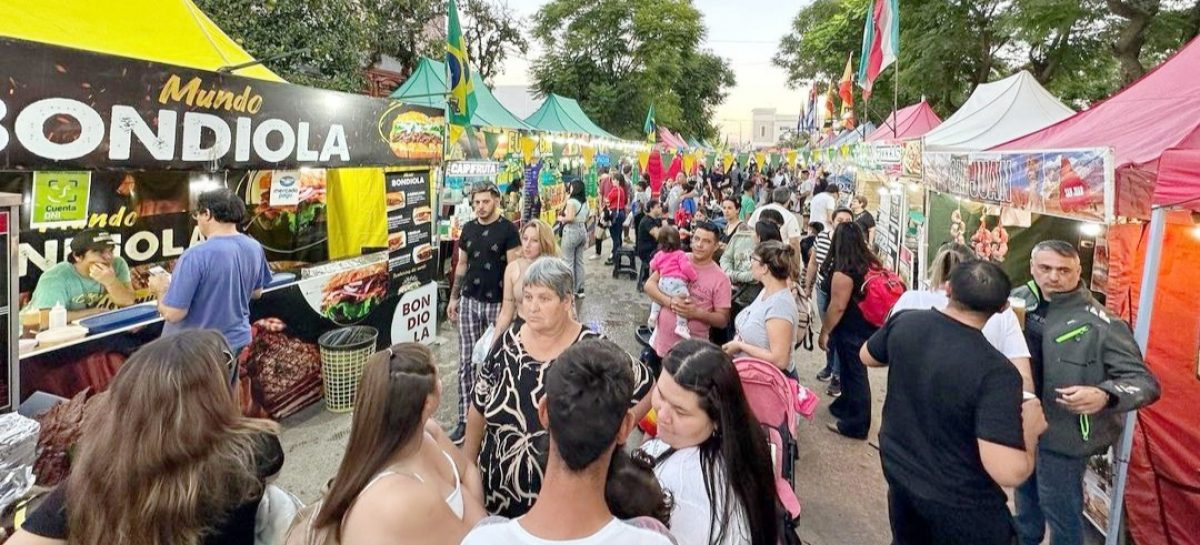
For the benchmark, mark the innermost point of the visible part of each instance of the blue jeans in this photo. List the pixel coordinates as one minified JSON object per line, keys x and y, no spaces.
{"x":616,"y":230}
{"x":831,"y":358}
{"x":1054,"y":495}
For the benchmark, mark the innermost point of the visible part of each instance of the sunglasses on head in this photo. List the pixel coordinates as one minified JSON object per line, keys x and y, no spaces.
{"x":230,"y":365}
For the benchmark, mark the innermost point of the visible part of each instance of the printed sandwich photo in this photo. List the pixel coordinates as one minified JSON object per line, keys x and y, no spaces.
{"x":422,"y":215}
{"x":415,"y":135}
{"x":395,"y":200}
{"x":350,"y":296}
{"x":397,"y":241}
{"x":422,"y":253}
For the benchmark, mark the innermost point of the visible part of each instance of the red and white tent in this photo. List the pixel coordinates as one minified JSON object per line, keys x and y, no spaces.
{"x":908,"y":122}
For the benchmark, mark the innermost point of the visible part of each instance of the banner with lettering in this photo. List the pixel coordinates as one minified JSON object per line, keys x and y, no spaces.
{"x":1075,"y":184}
{"x":68,"y":109}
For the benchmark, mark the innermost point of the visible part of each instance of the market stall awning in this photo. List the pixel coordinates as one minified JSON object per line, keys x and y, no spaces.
{"x":670,"y":139}
{"x":852,"y":136}
{"x":576,"y":112}
{"x":996,"y":113}
{"x":166,"y":31}
{"x":908,"y":122}
{"x":1178,"y":183}
{"x":1153,"y":114}
{"x":553,"y":116}
{"x":426,"y":86}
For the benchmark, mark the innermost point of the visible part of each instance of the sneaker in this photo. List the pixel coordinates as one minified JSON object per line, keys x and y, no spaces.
{"x":458,"y":434}
{"x":682,"y":331}
{"x":608,"y":261}
{"x":593,"y":257}
{"x":580,"y":295}
{"x":835,"y":388}
{"x":824,"y":375}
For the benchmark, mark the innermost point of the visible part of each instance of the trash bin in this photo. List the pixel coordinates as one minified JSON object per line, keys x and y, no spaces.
{"x":343,"y":353}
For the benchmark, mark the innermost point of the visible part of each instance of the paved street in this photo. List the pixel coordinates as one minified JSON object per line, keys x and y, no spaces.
{"x":839,"y":480}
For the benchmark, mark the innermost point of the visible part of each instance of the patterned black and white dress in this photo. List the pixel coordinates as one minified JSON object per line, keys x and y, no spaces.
{"x":512,"y":458}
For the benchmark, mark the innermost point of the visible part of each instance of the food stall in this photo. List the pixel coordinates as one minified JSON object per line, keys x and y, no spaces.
{"x":338,"y":188}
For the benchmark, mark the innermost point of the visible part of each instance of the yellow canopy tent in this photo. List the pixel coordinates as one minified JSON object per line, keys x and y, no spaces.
{"x":167,"y":31}
{"x":177,"y":32}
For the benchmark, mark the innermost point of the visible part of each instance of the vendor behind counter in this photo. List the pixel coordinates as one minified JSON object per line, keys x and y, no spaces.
{"x":91,"y":280}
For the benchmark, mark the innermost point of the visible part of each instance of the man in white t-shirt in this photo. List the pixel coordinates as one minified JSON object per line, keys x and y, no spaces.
{"x":586,"y":412}
{"x":791,"y":230}
{"x":823,"y":206}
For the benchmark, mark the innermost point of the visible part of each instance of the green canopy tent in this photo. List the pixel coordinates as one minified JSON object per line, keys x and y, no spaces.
{"x":426,"y":86}
{"x":561,"y":114}
{"x":572,"y":107}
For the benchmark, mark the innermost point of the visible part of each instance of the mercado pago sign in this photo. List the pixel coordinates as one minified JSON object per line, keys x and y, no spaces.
{"x":67,"y":109}
{"x":1075,"y":183}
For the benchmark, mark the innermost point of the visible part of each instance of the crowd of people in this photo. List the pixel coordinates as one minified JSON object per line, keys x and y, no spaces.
{"x":544,"y":448}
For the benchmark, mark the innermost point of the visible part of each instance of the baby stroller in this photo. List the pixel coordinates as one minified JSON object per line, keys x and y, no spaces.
{"x":778,"y":402}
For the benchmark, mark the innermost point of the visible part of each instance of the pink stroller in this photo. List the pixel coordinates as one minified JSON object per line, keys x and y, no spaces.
{"x":778,"y":402}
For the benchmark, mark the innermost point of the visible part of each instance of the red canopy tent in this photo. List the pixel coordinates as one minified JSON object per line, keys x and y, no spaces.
{"x":1153,"y":125}
{"x":909,"y":122}
{"x":666,"y":137}
{"x":1158,"y":112}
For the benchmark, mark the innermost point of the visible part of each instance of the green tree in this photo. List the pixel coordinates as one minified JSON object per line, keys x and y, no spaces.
{"x":617,"y":57}
{"x":322,"y":43}
{"x":492,"y":34}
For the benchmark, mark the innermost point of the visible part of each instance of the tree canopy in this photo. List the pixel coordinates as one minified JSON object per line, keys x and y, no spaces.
{"x":1080,"y":50}
{"x":329,"y":43}
{"x":617,"y":57}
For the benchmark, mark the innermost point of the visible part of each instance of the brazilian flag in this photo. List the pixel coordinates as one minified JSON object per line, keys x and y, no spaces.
{"x":461,"y":102}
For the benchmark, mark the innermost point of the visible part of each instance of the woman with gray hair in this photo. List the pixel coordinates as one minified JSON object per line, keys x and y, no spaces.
{"x":503,"y":430}
{"x":1002,"y":330}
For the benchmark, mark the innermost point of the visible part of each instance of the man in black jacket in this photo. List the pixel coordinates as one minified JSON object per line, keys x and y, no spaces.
{"x":1088,"y":372}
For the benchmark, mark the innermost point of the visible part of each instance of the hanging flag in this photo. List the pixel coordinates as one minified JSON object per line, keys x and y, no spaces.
{"x":461,"y":102}
{"x":809,"y":119}
{"x":650,"y":127}
{"x":881,"y":42}
{"x":827,"y":111}
{"x":846,"y":85}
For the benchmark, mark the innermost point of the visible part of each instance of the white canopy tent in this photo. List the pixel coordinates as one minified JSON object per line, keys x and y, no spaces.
{"x":996,"y":113}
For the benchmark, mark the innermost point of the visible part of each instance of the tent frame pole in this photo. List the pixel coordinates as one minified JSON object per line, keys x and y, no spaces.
{"x":1141,"y":333}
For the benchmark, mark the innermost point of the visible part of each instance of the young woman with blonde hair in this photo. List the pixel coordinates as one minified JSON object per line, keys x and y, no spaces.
{"x":167,"y":458}
{"x":537,"y":240}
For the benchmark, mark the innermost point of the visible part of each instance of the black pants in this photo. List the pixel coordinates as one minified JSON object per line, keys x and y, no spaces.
{"x":853,"y":407}
{"x":917,"y":521}
{"x":644,"y":273}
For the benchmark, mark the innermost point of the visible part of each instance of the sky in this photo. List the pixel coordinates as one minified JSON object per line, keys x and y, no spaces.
{"x":745,"y":32}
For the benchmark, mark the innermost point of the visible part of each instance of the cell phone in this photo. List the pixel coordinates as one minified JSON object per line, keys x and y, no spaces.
{"x":157,"y":270}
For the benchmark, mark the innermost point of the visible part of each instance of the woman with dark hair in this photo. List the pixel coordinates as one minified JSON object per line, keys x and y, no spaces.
{"x":731,"y":208}
{"x":401,"y":475}
{"x":711,"y":452}
{"x":616,"y":206}
{"x":166,"y":458}
{"x":575,"y":233}
{"x":765,"y":328}
{"x":844,"y":329}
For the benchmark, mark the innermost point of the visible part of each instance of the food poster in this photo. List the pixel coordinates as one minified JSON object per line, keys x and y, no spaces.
{"x":411,"y":250}
{"x":147,"y":213}
{"x":87,"y":111}
{"x":1097,"y":490}
{"x":1073,"y":184}
{"x":293,"y":235}
{"x":890,"y":224}
{"x":455,"y":195}
{"x":979,"y":226}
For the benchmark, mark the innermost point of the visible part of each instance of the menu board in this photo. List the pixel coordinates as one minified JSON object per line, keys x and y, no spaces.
{"x":888,"y":228}
{"x":411,"y":251}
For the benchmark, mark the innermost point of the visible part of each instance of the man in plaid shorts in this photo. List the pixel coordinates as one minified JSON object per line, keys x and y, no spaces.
{"x":485,"y":247}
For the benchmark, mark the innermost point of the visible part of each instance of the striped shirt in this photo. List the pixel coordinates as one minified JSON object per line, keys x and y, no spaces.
{"x":821,"y":247}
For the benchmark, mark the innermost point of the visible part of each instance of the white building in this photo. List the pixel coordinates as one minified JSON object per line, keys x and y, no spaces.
{"x":768,"y":127}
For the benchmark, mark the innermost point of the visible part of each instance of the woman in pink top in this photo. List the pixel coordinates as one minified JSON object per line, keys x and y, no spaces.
{"x":675,"y":272}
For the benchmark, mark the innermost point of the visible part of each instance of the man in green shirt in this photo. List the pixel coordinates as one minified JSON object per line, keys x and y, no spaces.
{"x":91,"y":280}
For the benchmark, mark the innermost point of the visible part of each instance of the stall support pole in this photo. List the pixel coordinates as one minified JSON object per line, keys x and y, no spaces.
{"x":1141,"y":334}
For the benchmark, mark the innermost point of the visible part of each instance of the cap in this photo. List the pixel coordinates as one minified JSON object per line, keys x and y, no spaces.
{"x":91,"y":239}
